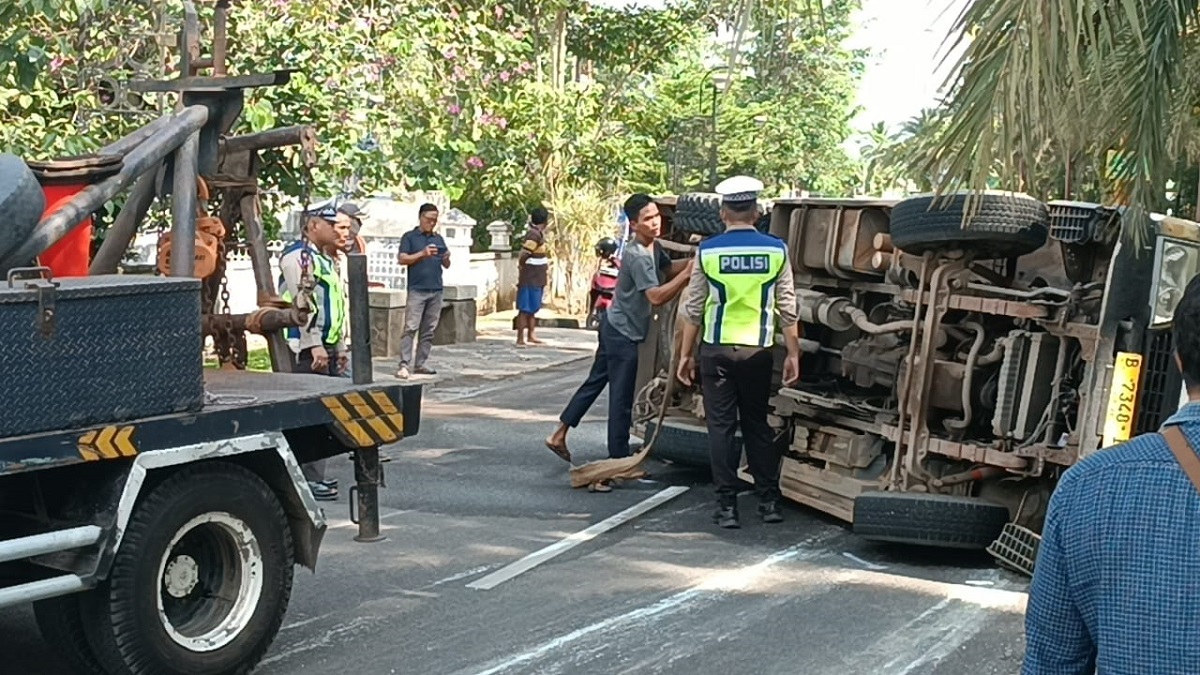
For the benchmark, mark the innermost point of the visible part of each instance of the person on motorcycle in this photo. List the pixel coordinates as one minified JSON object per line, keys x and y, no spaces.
{"x":648,"y":278}
{"x":752,"y":288}
{"x":604,"y":281}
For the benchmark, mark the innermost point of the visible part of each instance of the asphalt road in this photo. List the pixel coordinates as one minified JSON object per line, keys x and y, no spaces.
{"x":664,"y":593}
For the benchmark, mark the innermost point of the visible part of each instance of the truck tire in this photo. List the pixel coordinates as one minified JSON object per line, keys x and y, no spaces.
{"x":942,"y":521}
{"x":699,"y":213}
{"x":686,"y":445}
{"x":1004,"y":226}
{"x":202,"y":580}
{"x":21,"y":201}
{"x":61,"y":624}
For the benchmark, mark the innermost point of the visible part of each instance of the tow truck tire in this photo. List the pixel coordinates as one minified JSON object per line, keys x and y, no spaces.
{"x":21,"y":201}
{"x":202,"y":579}
{"x":942,"y":521}
{"x":1004,"y":226}
{"x":61,"y":624}
{"x":699,"y":213}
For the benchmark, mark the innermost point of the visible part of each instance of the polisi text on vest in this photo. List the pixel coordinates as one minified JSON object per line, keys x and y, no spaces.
{"x":745,"y":263}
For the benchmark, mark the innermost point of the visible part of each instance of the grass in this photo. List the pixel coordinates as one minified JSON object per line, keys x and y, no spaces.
{"x":258,"y":360}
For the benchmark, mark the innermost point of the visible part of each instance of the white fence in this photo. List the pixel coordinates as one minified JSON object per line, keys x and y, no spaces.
{"x":486,"y":272}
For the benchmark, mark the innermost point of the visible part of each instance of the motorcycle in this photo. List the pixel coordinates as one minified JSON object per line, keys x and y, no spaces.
{"x":604,"y":281}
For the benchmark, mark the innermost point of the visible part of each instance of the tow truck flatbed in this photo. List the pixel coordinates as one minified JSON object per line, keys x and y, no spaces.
{"x":240,"y":403}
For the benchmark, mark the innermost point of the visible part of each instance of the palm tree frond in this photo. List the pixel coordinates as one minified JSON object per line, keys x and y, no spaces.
{"x":1082,"y":76}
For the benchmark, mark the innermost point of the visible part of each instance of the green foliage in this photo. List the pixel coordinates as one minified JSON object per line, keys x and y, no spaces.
{"x":503,"y":105}
{"x":1077,"y":81}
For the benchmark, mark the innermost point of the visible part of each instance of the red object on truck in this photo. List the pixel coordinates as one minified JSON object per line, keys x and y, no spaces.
{"x":62,"y":179}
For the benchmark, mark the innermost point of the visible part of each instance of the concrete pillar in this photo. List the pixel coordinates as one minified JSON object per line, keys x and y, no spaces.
{"x":501,"y":233}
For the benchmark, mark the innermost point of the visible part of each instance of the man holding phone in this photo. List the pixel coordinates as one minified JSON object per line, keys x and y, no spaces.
{"x":424,"y":252}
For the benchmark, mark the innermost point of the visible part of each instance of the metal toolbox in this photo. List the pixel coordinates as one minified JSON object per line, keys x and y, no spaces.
{"x":89,"y":351}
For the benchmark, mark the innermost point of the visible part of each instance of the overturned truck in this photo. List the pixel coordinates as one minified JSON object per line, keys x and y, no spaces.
{"x":953,"y":368}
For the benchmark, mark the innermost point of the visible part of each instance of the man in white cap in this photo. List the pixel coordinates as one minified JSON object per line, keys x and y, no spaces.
{"x":740,"y":286}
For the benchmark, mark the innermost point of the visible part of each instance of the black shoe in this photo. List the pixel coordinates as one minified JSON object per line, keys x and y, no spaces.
{"x":770,"y":512}
{"x":727,"y":517}
{"x":322,"y":493}
{"x":423,"y":370}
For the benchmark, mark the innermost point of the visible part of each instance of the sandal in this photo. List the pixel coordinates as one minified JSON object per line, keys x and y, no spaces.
{"x":600,"y":486}
{"x":560,"y":450}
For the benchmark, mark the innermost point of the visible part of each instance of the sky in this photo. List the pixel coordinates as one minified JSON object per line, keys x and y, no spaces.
{"x":903,"y":75}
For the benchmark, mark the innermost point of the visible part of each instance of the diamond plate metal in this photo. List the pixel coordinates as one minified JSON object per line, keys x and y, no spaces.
{"x":123,"y":347}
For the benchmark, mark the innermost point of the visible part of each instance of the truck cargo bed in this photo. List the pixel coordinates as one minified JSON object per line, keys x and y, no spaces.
{"x":238,"y":403}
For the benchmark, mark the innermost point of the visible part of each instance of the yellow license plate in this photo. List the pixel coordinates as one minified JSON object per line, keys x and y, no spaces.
{"x":1122,"y":398}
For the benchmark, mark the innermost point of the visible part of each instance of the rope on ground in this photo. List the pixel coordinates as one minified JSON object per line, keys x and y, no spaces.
{"x":628,"y":468}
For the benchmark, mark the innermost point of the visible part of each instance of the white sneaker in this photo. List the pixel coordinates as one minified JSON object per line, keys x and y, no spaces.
{"x":402,"y":373}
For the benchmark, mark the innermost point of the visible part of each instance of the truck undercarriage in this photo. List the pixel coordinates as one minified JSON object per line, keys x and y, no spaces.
{"x":951,"y":372}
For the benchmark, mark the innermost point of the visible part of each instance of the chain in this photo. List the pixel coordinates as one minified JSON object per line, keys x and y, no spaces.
{"x":307,"y":283}
{"x":235,"y":355}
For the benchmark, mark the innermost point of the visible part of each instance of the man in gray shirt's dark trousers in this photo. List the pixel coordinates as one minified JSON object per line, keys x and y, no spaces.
{"x":640,"y":286}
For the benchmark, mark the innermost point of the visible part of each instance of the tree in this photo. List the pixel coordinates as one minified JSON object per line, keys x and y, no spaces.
{"x":1109,"y":84}
{"x":501,"y":104}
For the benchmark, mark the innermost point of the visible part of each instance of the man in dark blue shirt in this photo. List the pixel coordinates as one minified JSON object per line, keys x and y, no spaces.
{"x":1115,"y":587}
{"x":425,"y":253}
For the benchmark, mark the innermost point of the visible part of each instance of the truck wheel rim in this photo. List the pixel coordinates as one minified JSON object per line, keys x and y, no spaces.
{"x":210,"y":582}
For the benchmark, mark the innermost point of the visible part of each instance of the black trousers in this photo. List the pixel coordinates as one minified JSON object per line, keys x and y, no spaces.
{"x":304,"y":362}
{"x":736,"y":382}
{"x":615,"y":366}
{"x":315,"y":471}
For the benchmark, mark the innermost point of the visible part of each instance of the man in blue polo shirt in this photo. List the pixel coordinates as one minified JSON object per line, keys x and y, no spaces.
{"x":425,"y":253}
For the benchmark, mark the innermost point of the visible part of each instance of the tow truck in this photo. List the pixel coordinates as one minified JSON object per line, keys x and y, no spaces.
{"x":153,"y":534}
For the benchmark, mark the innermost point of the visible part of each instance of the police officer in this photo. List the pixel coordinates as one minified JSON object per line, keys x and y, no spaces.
{"x":321,"y":344}
{"x":740,"y":286}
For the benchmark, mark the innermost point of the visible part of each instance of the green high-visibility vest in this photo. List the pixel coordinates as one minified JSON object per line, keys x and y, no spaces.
{"x":742,"y":267}
{"x":329,"y":296}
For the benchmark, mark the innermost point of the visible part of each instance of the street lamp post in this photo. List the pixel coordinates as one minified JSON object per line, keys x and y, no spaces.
{"x":719,"y":82}
{"x":712,"y":142}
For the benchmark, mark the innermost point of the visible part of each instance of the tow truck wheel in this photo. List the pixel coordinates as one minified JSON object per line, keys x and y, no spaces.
{"x":61,"y":624}
{"x":202,"y":580}
{"x":21,"y":201}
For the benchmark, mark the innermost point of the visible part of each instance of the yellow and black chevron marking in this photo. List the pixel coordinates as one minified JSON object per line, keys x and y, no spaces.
{"x":365,"y":420}
{"x":107,"y":443}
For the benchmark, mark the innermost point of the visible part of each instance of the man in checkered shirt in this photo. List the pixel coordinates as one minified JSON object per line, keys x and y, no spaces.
{"x":1116,"y":589}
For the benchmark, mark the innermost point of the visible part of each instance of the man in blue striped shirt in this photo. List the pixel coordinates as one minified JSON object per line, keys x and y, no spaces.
{"x":1116,"y":589}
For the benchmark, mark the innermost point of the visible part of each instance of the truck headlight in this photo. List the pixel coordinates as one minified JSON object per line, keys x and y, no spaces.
{"x":1177,"y":264}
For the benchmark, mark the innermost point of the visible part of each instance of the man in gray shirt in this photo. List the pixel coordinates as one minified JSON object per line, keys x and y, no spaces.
{"x":640,"y":286}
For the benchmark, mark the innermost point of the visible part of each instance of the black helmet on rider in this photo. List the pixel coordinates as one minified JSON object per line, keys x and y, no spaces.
{"x":606,"y":247}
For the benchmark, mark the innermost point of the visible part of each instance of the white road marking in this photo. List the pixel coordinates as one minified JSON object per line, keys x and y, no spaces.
{"x":980,"y":596}
{"x":932,"y":635}
{"x":326,"y":639}
{"x":461,"y":575}
{"x":305,"y":622}
{"x":712,"y":588}
{"x":383,"y":515}
{"x":460,"y":395}
{"x":864,"y":563}
{"x":562,"y":546}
